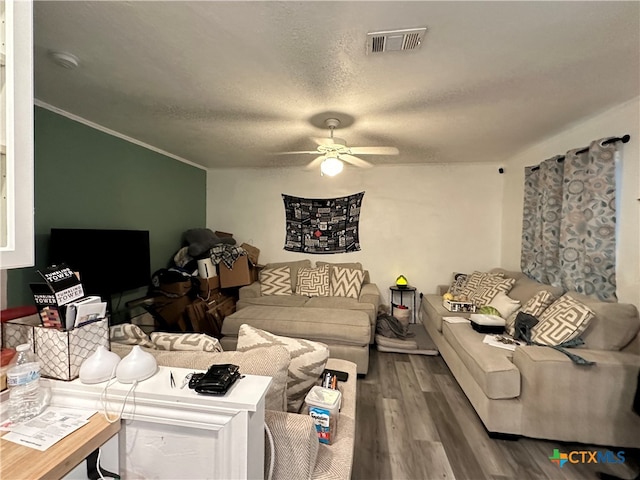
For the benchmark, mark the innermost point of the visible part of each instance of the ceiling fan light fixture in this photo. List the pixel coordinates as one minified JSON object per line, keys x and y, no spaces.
{"x":331,"y":166}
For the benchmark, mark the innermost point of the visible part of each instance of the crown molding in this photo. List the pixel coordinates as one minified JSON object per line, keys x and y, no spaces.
{"x":108,"y":131}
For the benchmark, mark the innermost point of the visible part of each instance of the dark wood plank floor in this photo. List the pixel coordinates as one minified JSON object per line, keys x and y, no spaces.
{"x":415,"y":423}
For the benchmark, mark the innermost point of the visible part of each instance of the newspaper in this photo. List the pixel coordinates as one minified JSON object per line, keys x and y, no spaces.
{"x":46,"y":429}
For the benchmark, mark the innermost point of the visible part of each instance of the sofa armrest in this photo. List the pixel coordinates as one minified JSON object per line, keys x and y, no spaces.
{"x":250,"y":291}
{"x":291,"y":432}
{"x":369,"y":293}
{"x":555,"y":392}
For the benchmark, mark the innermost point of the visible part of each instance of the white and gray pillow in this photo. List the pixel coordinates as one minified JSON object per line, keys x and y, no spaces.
{"x":275,"y":281}
{"x":185,"y":342}
{"x":476,"y":280}
{"x":346,"y":282}
{"x":129,"y":334}
{"x":564,"y":320}
{"x":308,"y":360}
{"x":504,"y":304}
{"x":535,"y":306}
{"x":489,"y":288}
{"x":313,"y":282}
{"x":458,"y":283}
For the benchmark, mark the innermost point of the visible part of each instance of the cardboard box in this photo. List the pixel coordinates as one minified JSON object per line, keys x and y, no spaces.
{"x":252,"y":252}
{"x":208,"y":286}
{"x":242,"y":273}
{"x":458,"y":306}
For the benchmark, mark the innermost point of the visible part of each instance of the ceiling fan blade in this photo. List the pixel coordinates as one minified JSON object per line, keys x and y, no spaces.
{"x":358,"y":162}
{"x":322,"y":140}
{"x":296,"y":153}
{"x":375,"y":150}
{"x":315,"y":163}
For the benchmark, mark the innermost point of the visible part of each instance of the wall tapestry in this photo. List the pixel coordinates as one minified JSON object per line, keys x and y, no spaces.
{"x":316,"y":225}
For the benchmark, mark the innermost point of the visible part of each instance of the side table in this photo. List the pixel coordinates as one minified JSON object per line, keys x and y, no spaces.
{"x":395,"y":291}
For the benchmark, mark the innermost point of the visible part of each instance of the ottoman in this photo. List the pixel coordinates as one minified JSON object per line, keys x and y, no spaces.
{"x":345,"y":332}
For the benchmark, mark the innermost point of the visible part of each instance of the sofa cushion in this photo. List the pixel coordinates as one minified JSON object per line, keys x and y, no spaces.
{"x":271,"y":362}
{"x":535,"y":306}
{"x":490,"y":367}
{"x":313,"y":282}
{"x":130,"y":334}
{"x":343,"y":303}
{"x":562,"y":321}
{"x":275,"y":281}
{"x":525,"y":287}
{"x":489,"y":288}
{"x":293,"y":267}
{"x":273,"y":301}
{"x":615,"y":324}
{"x":307,"y":360}
{"x":433,"y":308}
{"x":185,"y":342}
{"x":346,"y":282}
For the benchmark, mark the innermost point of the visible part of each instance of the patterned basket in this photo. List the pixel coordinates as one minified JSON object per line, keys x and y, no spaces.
{"x":61,"y":353}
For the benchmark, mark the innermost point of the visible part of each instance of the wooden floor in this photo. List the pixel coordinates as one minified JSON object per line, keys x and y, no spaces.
{"x":414,"y":422}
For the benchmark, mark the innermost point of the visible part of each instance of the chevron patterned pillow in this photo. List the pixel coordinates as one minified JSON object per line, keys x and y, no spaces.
{"x":345,"y":282}
{"x":307,"y":360}
{"x":275,"y":281}
{"x":129,"y":334}
{"x":313,"y":282}
{"x":199,"y":342}
{"x":564,"y":320}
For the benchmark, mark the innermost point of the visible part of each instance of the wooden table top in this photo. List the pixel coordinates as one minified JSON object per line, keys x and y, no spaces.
{"x":18,"y":462}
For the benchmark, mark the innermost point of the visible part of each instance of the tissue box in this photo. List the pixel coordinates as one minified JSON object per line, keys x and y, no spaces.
{"x":59,"y":352}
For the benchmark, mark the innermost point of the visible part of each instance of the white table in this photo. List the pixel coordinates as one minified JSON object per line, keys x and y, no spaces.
{"x":176,"y":433}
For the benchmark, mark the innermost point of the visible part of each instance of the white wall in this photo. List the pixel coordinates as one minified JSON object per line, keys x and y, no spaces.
{"x":615,"y":122}
{"x":421,"y":221}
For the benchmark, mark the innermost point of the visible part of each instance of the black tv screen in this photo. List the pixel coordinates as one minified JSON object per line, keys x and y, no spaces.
{"x":109,"y":261}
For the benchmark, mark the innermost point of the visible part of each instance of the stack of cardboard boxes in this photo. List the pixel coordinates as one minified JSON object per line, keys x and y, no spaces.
{"x":204,"y":310}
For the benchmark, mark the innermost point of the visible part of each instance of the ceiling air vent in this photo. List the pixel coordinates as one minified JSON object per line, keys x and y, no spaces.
{"x":395,"y":40}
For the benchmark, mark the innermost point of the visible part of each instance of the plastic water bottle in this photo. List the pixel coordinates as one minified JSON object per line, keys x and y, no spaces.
{"x":26,"y":398}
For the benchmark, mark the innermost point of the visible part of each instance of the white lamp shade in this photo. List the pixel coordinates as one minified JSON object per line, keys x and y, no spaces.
{"x":331,"y":166}
{"x":138,"y":365}
{"x":99,"y":367}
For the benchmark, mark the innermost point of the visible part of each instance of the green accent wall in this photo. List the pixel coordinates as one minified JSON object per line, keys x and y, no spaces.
{"x":85,"y":178}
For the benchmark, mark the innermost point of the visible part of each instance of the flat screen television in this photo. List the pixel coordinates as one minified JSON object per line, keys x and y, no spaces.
{"x":109,"y":261}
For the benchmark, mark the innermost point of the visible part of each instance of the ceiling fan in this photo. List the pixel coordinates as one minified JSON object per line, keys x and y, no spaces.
{"x":332,"y":152}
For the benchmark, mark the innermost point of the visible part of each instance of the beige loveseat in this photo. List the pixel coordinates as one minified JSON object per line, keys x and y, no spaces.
{"x":298,"y":453}
{"x":345,"y":324}
{"x":539,"y":392}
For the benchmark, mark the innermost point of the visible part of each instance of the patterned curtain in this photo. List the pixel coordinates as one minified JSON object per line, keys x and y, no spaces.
{"x":569,"y":218}
{"x":541,"y":224}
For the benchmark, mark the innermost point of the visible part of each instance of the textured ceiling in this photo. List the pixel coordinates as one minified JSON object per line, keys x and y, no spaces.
{"x":226,"y":84}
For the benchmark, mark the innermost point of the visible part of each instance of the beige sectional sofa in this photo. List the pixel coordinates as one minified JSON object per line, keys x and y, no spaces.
{"x":346,"y":325}
{"x":539,"y":392}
